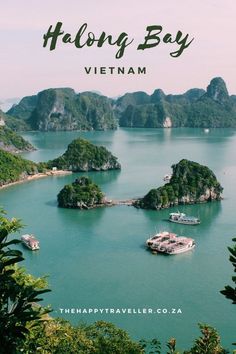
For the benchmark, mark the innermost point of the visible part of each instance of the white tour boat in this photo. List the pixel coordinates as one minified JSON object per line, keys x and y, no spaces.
{"x":181,"y":218}
{"x":170,"y":243}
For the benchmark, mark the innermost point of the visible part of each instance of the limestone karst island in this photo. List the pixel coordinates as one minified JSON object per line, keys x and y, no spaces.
{"x":189,"y":183}
{"x":63,"y":109}
{"x":128,"y":187}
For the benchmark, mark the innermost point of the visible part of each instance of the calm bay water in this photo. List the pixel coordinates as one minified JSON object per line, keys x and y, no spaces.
{"x":97,"y":258}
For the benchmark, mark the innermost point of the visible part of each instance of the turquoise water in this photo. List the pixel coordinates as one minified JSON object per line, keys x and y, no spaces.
{"x":97,"y":258}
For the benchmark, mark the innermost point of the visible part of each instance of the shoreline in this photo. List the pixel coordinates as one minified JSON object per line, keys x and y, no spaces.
{"x":37,"y":176}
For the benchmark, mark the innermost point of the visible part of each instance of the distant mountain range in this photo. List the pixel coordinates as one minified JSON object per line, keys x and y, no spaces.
{"x":63,"y":109}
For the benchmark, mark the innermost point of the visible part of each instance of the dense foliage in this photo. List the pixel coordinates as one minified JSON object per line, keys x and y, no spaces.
{"x":195,"y":108}
{"x":229,"y":292}
{"x":11,"y":141}
{"x":14,"y":168}
{"x":190,"y":183}
{"x":27,"y":328}
{"x":81,"y":194}
{"x":19,"y":295}
{"x":81,"y":155}
{"x":63,"y":109}
{"x":208,"y":343}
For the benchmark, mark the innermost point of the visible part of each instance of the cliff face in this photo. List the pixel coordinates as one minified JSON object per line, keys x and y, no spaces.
{"x":195,"y":108}
{"x":217,"y":91}
{"x":63,"y":109}
{"x":81,"y":155}
{"x":190,"y":183}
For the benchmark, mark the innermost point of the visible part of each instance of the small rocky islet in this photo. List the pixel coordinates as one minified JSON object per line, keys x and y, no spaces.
{"x":83,"y":193}
{"x":191,"y":183}
{"x":81,"y":155}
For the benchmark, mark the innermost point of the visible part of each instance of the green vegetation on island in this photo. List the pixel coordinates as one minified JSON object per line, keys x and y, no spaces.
{"x":81,"y":155}
{"x":190,"y":183}
{"x":14,"y":168}
{"x":13,"y":142}
{"x":81,"y":194}
{"x":213,"y":108}
{"x":26,"y":326}
{"x":63,"y":109}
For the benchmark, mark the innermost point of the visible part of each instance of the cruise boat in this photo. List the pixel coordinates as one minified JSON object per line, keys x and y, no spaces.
{"x":181,"y":218}
{"x":30,"y":241}
{"x":170,"y":243}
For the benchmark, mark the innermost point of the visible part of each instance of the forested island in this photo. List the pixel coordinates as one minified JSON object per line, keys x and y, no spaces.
{"x":63,"y":109}
{"x":14,"y":168}
{"x":190,"y":183}
{"x":83,"y":193}
{"x":81,"y":155}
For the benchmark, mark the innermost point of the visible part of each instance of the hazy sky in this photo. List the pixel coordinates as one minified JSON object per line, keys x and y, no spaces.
{"x":27,"y":68}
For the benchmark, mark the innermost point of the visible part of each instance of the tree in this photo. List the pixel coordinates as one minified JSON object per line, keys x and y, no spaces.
{"x":208,"y":343}
{"x":229,"y":292}
{"x":18,"y":299}
{"x":58,"y":336}
{"x":107,"y":339}
{"x":152,"y":346}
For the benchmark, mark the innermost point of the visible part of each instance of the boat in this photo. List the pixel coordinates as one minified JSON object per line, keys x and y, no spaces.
{"x":167,"y":178}
{"x":30,"y":241}
{"x":206,"y":130}
{"x":169,"y":243}
{"x":181,"y":218}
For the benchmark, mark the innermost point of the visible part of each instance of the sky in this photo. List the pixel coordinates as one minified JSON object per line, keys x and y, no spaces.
{"x":27,"y":68}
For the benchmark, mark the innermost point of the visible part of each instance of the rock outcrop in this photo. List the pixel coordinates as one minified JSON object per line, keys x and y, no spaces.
{"x":81,"y":194}
{"x":167,"y":123}
{"x":190,"y":183}
{"x":81,"y":155}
